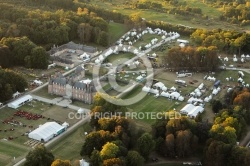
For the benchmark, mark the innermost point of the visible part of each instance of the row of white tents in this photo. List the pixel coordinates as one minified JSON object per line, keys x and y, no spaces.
{"x":235,"y":59}
{"x":129,"y":36}
{"x":171,"y":94}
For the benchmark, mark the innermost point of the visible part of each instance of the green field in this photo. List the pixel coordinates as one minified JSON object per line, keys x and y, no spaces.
{"x":117,"y":59}
{"x":213,"y":14}
{"x":70,"y":146}
{"x":43,"y":92}
{"x":9,"y":150}
{"x":146,"y":39}
{"x":116,"y":30}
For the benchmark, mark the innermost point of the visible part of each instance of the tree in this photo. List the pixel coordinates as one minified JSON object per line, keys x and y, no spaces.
{"x":59,"y":162}
{"x":170,"y":145}
{"x":39,"y":58}
{"x":226,"y":134}
{"x":113,"y":162}
{"x":95,"y":140}
{"x":216,"y":153}
{"x":216,"y":106}
{"x":109,"y":150}
{"x":145,"y":145}
{"x":103,"y":39}
{"x":183,"y":143}
{"x":95,"y":158}
{"x":240,"y":42}
{"x":40,"y":156}
{"x":5,"y":56}
{"x":134,"y":159}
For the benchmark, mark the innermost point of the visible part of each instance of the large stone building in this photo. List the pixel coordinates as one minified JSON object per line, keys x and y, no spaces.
{"x":73,"y":86}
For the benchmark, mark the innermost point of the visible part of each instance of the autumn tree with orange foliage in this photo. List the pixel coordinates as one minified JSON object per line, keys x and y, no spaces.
{"x":59,"y":162}
{"x":243,"y":99}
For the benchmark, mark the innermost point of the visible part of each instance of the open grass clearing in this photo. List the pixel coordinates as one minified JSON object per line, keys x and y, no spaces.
{"x":206,"y":9}
{"x":146,"y":39}
{"x":222,"y":75}
{"x":117,"y":59}
{"x":9,"y":150}
{"x":116,"y":30}
{"x":151,"y":105}
{"x":70,"y":146}
{"x":149,"y":14}
{"x":43,"y":92}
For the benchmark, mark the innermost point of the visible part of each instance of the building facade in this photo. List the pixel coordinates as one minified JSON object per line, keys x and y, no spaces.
{"x":73,"y":86}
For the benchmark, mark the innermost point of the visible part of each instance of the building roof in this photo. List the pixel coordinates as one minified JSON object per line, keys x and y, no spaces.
{"x":79,"y":85}
{"x":79,"y":69}
{"x":61,"y":81}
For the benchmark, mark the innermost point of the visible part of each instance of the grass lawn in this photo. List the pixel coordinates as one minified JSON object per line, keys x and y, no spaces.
{"x":192,"y":21}
{"x":222,"y":75}
{"x":9,"y":150}
{"x":69,"y":147}
{"x":81,"y":104}
{"x":146,"y":39}
{"x":206,"y":9}
{"x":43,"y":92}
{"x":151,"y":104}
{"x":117,"y":59}
{"x":116,"y":30}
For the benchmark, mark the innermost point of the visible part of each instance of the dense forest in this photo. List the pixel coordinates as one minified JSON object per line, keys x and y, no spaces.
{"x":10,"y":82}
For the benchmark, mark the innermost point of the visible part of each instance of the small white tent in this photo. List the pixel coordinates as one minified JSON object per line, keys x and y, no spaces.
{"x":146,"y":89}
{"x":181,"y":98}
{"x":165,"y":94}
{"x":80,"y":111}
{"x":175,"y":95}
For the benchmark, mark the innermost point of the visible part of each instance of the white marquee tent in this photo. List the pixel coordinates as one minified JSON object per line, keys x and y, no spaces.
{"x":195,"y":111}
{"x":20,"y":101}
{"x":187,"y":108}
{"x":46,"y":131}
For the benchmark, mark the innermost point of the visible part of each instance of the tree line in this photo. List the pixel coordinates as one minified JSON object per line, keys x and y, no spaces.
{"x":228,"y":41}
{"x":234,"y":11}
{"x":20,"y":51}
{"x":10,"y":82}
{"x":192,"y":59}
{"x":179,"y":138}
{"x":116,"y":139}
{"x":49,"y":28}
